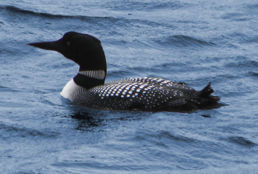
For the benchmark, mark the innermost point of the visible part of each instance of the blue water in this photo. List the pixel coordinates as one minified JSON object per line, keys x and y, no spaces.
{"x":188,"y":41}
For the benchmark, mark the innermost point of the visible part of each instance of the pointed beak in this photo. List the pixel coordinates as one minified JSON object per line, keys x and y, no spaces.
{"x":54,"y":45}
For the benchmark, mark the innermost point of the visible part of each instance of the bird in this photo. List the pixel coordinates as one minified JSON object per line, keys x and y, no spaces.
{"x":88,"y":88}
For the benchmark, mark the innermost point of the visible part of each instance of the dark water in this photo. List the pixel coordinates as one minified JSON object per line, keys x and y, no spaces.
{"x":191,"y":41}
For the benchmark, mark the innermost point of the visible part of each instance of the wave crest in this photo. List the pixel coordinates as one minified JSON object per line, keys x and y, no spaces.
{"x":16,"y":10}
{"x":183,"y":41}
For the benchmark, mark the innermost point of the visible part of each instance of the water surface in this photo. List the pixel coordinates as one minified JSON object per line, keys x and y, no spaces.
{"x":186,"y":41}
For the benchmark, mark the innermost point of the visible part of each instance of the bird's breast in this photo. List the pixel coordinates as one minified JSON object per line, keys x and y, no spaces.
{"x":72,"y":91}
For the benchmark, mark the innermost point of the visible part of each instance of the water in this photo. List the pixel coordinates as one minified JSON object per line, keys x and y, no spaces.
{"x":194,"y":42}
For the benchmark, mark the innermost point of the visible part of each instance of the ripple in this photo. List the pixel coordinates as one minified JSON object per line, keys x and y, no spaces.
{"x":119,"y":73}
{"x":101,"y":166}
{"x":252,"y":7}
{"x":255,"y":74}
{"x":18,"y":131}
{"x":235,"y":17}
{"x":244,"y":37}
{"x":20,"y":11}
{"x":168,"y":135}
{"x":183,"y":41}
{"x":7,"y":89}
{"x":251,"y":39}
{"x":244,"y":63}
{"x":129,"y":5}
{"x":160,"y":138}
{"x":241,"y":141}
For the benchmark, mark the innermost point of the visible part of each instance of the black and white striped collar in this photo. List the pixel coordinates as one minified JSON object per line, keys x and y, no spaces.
{"x":90,"y":78}
{"x":96,"y":74}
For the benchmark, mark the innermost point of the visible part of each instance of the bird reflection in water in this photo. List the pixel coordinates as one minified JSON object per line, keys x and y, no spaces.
{"x":89,"y":119}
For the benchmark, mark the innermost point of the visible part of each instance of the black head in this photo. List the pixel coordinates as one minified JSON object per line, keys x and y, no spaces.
{"x":83,"y":49}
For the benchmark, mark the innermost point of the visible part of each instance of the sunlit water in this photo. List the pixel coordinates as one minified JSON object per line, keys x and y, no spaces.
{"x":188,"y":41}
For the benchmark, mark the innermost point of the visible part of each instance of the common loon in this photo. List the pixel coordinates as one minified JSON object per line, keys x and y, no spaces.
{"x":87,"y":88}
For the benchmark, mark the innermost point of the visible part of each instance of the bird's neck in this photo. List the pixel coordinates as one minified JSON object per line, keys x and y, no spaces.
{"x":90,"y":78}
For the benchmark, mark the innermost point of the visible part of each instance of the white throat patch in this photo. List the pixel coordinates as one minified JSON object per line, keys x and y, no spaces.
{"x":96,"y":74}
{"x":72,"y":91}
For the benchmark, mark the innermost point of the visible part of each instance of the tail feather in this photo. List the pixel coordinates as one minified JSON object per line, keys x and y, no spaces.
{"x":206,"y":99}
{"x":206,"y":91}
{"x":200,"y":100}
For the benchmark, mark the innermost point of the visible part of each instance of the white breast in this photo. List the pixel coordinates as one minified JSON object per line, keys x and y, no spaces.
{"x":72,"y":91}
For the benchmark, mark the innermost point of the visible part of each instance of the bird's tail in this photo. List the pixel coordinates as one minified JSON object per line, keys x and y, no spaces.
{"x":206,"y":100}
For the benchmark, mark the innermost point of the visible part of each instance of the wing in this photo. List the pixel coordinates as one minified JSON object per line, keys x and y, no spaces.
{"x":157,"y":82}
{"x":138,"y":93}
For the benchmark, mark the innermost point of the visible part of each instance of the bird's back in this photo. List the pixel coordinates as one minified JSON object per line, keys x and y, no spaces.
{"x":148,"y":94}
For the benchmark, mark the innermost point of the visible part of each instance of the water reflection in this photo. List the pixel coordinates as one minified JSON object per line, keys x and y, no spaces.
{"x":88,"y":119}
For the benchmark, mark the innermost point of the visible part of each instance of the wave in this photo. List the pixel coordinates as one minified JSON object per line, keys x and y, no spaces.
{"x":235,"y":17}
{"x":244,"y":38}
{"x":252,"y":73}
{"x":18,"y":131}
{"x":163,"y":135}
{"x":7,"y":89}
{"x":242,"y":62}
{"x":129,"y":5}
{"x":119,"y":73}
{"x":252,"y":6}
{"x":183,"y":41}
{"x":241,"y":141}
{"x":113,"y":20}
{"x":16,"y":10}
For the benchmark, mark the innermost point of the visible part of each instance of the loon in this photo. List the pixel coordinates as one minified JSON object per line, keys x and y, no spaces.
{"x":88,"y":87}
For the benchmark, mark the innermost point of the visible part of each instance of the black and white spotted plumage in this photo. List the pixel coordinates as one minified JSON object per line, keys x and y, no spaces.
{"x":148,"y":94}
{"x":88,"y":87}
